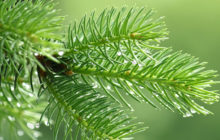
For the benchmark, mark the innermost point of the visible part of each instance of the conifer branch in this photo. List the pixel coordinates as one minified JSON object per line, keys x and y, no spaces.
{"x":79,"y":107}
{"x":116,"y":52}
{"x":121,"y":56}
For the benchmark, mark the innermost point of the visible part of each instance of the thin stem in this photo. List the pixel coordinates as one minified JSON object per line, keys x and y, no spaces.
{"x":125,"y":75}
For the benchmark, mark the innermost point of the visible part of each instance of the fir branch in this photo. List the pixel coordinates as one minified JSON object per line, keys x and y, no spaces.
{"x":116,"y":52}
{"x":27,"y":29}
{"x":129,"y":64}
{"x":79,"y":107}
{"x":112,"y":28}
{"x":175,"y":81}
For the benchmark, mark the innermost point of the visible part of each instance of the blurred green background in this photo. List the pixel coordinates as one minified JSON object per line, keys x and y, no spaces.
{"x":194,"y":27}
